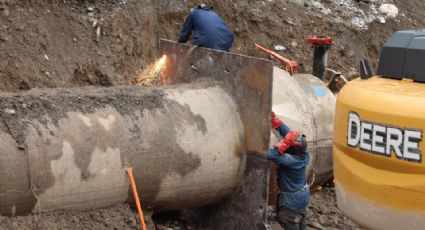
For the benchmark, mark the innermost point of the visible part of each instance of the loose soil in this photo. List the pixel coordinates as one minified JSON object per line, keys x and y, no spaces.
{"x":322,"y":212}
{"x":53,"y":43}
{"x":116,"y":217}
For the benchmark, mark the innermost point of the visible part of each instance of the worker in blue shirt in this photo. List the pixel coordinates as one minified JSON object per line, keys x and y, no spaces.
{"x":291,"y":158}
{"x":209,"y":29}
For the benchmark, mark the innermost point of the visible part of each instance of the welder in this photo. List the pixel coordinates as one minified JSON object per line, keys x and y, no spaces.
{"x":207,"y":28}
{"x":291,"y":157}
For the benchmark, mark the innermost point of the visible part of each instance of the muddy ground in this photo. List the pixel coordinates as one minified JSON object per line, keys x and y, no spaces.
{"x":117,"y":217}
{"x":53,"y":43}
{"x":322,"y":214}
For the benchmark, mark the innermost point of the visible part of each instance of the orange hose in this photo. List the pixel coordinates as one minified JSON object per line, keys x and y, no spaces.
{"x":136,"y":197}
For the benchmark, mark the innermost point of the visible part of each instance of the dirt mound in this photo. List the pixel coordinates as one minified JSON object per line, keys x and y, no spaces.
{"x":54,"y":43}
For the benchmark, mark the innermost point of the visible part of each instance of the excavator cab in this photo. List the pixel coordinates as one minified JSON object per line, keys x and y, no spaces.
{"x":378,"y":139}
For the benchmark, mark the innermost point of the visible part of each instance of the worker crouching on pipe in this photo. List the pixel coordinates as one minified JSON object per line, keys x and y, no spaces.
{"x":291,"y":158}
{"x":208,"y":28}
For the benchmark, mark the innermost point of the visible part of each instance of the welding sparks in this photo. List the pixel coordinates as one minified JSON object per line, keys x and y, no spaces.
{"x":160,"y":64}
{"x":151,"y":75}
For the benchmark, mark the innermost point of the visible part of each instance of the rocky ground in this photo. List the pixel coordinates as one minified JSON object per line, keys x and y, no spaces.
{"x":116,"y":217}
{"x":69,"y":43}
{"x":322,"y":214}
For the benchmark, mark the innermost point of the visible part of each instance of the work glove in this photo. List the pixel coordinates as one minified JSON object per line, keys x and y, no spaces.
{"x":276,"y":122}
{"x":290,"y":140}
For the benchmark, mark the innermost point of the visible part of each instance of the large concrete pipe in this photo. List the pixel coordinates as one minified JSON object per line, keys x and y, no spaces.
{"x":192,"y":144}
{"x":76,"y":154}
{"x":305,"y":104}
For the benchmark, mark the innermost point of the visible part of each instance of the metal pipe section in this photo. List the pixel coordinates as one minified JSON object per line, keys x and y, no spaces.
{"x":249,"y":81}
{"x":68,"y":149}
{"x":320,"y":60}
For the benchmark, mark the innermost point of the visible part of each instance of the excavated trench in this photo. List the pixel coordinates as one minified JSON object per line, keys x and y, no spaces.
{"x":62,"y":31}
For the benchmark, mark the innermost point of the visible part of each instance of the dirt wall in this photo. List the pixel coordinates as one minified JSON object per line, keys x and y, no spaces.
{"x":53,"y":43}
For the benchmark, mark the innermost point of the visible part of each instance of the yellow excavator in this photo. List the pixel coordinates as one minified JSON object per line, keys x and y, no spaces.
{"x":378,"y":139}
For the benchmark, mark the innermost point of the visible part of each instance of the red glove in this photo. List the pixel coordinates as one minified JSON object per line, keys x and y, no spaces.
{"x":288,"y":141}
{"x":276,"y":122}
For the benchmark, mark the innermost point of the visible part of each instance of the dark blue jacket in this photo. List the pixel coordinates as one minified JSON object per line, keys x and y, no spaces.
{"x":209,"y":29}
{"x":291,"y":176}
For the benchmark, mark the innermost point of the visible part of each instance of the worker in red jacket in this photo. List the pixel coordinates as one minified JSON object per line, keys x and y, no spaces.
{"x":291,"y":157}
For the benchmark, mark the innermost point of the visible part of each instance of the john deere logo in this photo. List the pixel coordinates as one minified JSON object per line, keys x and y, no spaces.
{"x":383,"y":139}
